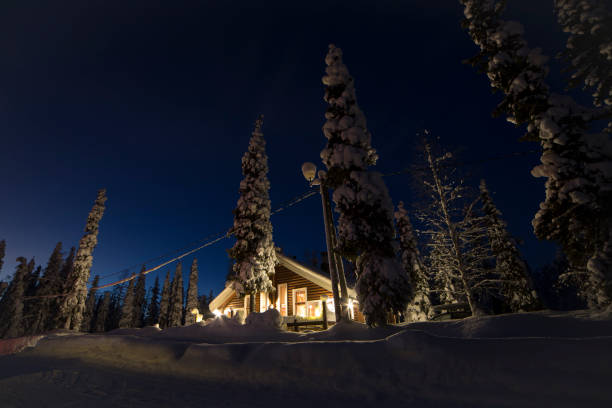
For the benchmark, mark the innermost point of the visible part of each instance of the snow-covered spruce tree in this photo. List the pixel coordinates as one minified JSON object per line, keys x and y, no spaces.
{"x":516,"y":284}
{"x":175,"y":307}
{"x":365,"y":224}
{"x":140,"y":295}
{"x":29,"y":289}
{"x":203,"y":302}
{"x":577,"y":164}
{"x":253,"y":252}
{"x":11,"y":305}
{"x":32,"y":280}
{"x":114,"y":308}
{"x":68,"y":266}
{"x":51,"y":283}
{"x":90,"y":306}
{"x":127,"y":309}
{"x":589,"y":46}
{"x":72,"y":305}
{"x":419,"y":308}
{"x":458,"y":252}
{"x":153,"y":305}
{"x":164,"y":304}
{"x":192,"y":294}
{"x":102,"y":313}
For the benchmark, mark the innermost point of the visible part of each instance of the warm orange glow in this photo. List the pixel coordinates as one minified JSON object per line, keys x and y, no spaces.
{"x":300,"y":296}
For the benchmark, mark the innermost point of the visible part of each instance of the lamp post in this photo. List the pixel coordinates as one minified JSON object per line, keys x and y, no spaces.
{"x":336,"y":269}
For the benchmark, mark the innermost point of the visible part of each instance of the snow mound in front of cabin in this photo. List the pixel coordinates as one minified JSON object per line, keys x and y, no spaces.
{"x":352,"y":330}
{"x":257,"y":327}
{"x":270,"y":319}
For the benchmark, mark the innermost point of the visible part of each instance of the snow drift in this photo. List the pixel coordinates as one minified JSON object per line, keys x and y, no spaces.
{"x":533,"y":359}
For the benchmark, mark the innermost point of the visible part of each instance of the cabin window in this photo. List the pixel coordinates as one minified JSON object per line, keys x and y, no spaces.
{"x":299,"y":302}
{"x":314,"y":308}
{"x":264,"y":302}
{"x":281,"y":302}
{"x":228,"y":312}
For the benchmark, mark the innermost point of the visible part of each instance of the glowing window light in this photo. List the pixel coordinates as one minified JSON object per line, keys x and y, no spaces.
{"x":198,"y":316}
{"x":330,"y":304}
{"x":314,"y":308}
{"x":351,"y":309}
{"x":217,"y":313}
{"x":300,"y":310}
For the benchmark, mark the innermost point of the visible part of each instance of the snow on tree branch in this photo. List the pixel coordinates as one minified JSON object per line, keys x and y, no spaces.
{"x":254,"y":251}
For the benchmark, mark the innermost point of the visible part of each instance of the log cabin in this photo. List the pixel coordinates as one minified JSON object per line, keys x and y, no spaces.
{"x":301,"y":294}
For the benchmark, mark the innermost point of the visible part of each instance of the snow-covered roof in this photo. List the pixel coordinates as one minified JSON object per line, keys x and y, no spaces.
{"x":221,"y":298}
{"x":295,"y":267}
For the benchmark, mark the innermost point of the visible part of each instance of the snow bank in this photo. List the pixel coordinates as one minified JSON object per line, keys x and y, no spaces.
{"x":347,"y":331}
{"x":270,"y":319}
{"x":145,"y":331}
{"x":527,"y":360}
{"x":15,"y":345}
{"x":257,"y":327}
{"x":580,"y":324}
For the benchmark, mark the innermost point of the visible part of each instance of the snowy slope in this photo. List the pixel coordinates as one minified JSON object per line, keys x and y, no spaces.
{"x":535,"y":359}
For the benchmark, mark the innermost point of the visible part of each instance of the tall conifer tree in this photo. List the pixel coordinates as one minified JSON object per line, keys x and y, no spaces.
{"x":29,"y":289}
{"x":115,"y":305}
{"x":419,"y":308}
{"x":32,"y":281}
{"x":576,"y":163}
{"x":153,"y":305}
{"x":253,"y":252}
{"x":175,"y":308}
{"x":459,"y":253}
{"x":127,"y":309}
{"x":90,"y":306}
{"x":51,"y":283}
{"x":102,"y":313}
{"x":164,"y":304}
{"x":192,"y":294}
{"x":140,"y":299}
{"x":365,"y":224}
{"x":72,"y":306}
{"x":589,"y":46}
{"x":11,"y":305}
{"x":516,"y":286}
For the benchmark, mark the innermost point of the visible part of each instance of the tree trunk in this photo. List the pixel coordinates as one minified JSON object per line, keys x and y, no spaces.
{"x":333,"y":272}
{"x":453,"y":235}
{"x":252,"y":303}
{"x":344,"y":298}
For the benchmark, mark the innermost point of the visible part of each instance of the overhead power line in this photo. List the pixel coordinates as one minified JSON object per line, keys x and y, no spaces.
{"x":217,"y":237}
{"x":214,"y":238}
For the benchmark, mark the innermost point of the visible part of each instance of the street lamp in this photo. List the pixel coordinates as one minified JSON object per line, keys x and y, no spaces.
{"x":336,"y":269}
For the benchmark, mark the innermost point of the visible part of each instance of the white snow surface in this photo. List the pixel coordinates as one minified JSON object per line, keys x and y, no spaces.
{"x":527,"y":360}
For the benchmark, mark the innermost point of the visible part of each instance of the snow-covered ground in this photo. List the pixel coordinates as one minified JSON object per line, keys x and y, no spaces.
{"x":522,"y":360}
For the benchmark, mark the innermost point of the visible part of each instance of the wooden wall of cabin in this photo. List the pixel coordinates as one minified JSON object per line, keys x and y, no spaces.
{"x":293,"y":281}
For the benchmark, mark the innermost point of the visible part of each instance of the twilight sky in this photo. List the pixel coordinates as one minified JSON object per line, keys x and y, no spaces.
{"x":155,"y":101}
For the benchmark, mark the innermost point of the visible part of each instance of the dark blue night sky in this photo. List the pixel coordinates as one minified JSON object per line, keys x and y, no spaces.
{"x":155,"y":101}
